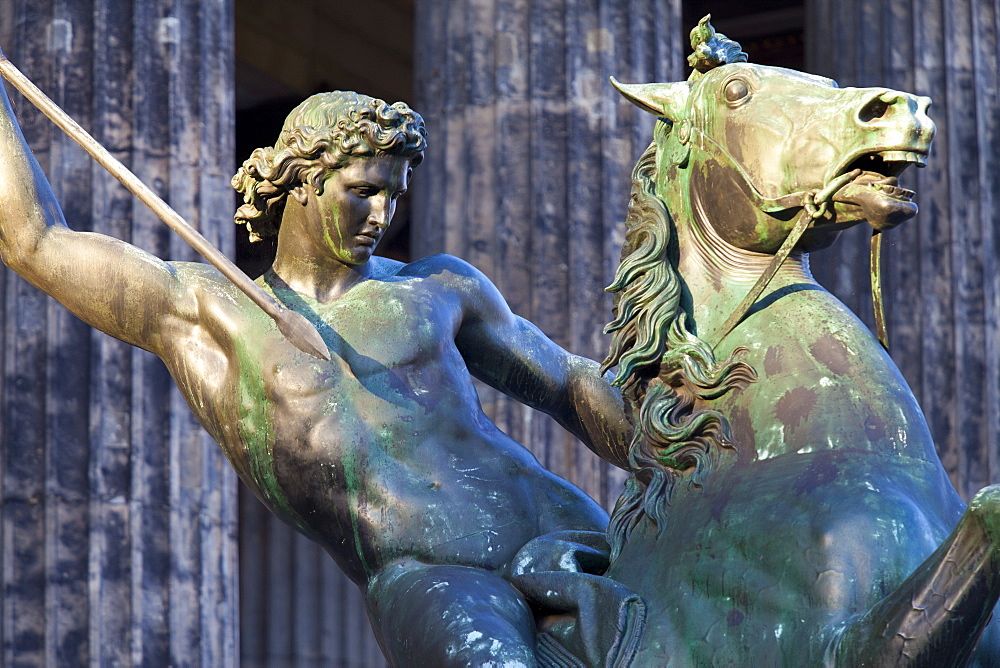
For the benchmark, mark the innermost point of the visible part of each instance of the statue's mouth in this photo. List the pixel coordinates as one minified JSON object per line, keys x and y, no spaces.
{"x":876,"y":192}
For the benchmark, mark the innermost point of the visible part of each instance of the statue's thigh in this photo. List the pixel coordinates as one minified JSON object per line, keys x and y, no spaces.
{"x":449,"y":616}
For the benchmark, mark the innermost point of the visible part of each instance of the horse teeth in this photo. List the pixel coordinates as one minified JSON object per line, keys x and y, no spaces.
{"x":903,"y":156}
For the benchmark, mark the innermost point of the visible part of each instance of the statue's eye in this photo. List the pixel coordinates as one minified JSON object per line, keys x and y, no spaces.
{"x":736,"y":91}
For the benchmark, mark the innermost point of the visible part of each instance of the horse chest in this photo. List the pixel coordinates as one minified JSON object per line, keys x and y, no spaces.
{"x":823,"y":383}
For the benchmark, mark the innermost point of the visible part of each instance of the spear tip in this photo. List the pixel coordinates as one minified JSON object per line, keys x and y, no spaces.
{"x":302,"y":334}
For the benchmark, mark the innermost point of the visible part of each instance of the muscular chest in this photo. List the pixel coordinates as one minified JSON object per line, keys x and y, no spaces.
{"x":393,"y":358}
{"x":381,"y":342}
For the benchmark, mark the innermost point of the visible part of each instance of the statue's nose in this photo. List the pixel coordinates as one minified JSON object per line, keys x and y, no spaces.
{"x":380,"y":212}
{"x":895,"y":112}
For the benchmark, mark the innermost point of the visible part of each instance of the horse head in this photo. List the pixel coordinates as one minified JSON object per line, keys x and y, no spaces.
{"x":749,"y":145}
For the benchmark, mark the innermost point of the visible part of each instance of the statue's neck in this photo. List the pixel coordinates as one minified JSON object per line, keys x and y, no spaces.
{"x":311,"y":269}
{"x":719,"y":275}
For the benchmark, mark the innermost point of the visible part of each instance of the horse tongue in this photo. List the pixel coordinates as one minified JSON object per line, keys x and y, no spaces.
{"x":882,"y":202}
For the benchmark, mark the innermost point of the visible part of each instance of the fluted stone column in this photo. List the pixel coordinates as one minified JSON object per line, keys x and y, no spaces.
{"x":942,"y":284}
{"x":527,"y":171}
{"x":118,"y":517}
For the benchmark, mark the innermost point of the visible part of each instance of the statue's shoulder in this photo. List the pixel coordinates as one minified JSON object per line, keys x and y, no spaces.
{"x":203,"y":280}
{"x":442,"y":267}
{"x":455,"y":278}
{"x":197,"y":271}
{"x":207,"y":293}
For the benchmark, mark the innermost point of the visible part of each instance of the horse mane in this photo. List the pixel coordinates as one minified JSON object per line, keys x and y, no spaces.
{"x":663,"y":367}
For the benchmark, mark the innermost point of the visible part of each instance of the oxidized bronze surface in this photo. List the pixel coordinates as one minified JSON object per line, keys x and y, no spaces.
{"x":786,"y":504}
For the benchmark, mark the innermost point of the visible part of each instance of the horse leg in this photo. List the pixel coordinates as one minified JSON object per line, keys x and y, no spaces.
{"x":935,"y":618}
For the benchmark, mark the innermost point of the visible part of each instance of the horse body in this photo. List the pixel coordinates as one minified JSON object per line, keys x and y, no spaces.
{"x":824,"y":381}
{"x":786,"y":505}
{"x":765,"y":564}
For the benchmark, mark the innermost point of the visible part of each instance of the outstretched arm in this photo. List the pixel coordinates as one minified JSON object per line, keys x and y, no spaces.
{"x":111,"y":285}
{"x":512,"y":355}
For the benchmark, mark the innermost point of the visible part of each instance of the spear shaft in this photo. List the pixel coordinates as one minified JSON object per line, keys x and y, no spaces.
{"x":294,"y":326}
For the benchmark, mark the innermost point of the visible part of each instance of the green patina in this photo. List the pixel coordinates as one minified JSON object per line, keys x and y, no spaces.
{"x":257,"y":434}
{"x":771,"y":516}
{"x":338,"y":246}
{"x":352,"y":480}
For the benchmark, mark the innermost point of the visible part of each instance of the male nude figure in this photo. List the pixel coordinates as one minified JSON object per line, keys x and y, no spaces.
{"x":383,"y":454}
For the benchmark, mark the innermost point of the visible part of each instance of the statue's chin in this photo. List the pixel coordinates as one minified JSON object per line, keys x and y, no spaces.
{"x":880,"y":202}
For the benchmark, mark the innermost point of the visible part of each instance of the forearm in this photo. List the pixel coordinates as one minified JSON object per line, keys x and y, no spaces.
{"x":594,"y":411}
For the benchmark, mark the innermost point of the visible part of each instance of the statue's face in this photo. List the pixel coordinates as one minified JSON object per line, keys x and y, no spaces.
{"x":358,"y":201}
{"x":793,"y":131}
{"x":749,"y":137}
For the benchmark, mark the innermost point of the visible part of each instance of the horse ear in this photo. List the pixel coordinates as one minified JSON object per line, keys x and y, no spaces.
{"x":667,"y":100}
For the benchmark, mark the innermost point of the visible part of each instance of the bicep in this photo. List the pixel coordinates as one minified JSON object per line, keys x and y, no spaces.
{"x":111,"y":285}
{"x":512,"y":355}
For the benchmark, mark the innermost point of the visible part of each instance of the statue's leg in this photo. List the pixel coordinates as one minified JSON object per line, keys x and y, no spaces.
{"x":449,"y":616}
{"x":936,"y":617}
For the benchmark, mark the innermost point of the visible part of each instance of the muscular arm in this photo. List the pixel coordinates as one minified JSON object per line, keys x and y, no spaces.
{"x":512,"y":355}
{"x":111,"y":285}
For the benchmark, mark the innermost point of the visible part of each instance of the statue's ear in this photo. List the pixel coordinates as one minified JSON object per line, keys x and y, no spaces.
{"x":666,"y":100}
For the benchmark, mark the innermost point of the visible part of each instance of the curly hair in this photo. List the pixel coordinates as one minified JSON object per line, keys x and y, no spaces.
{"x":319,"y":135}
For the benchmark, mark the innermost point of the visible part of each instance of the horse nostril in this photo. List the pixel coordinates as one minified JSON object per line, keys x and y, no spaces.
{"x":876,"y":108}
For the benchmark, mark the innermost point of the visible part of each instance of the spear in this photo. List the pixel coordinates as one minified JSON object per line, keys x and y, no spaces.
{"x":299,"y":331}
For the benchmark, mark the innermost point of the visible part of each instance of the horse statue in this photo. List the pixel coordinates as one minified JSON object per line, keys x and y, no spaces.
{"x":786,"y":505}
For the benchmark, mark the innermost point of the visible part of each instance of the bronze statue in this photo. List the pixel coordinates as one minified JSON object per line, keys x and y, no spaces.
{"x":381,"y":454}
{"x":786,"y":505}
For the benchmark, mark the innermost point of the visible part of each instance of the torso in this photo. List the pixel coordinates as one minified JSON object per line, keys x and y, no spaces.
{"x":767,"y":559}
{"x":383,"y":452}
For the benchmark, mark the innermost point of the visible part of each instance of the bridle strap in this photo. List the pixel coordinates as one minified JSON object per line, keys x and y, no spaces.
{"x":803,"y":223}
{"x":814,"y":205}
{"x":765,"y":204}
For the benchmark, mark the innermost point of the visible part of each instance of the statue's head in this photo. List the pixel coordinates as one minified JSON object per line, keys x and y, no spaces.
{"x":321,"y":134}
{"x":746,"y":143}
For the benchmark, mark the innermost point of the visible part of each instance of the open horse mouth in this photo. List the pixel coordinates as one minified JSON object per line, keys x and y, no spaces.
{"x":876,"y":190}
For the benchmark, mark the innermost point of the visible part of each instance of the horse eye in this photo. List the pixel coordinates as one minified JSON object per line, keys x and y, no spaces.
{"x":736,"y":90}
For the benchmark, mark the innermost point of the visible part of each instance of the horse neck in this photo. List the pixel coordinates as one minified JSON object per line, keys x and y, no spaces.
{"x":718,"y":275}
